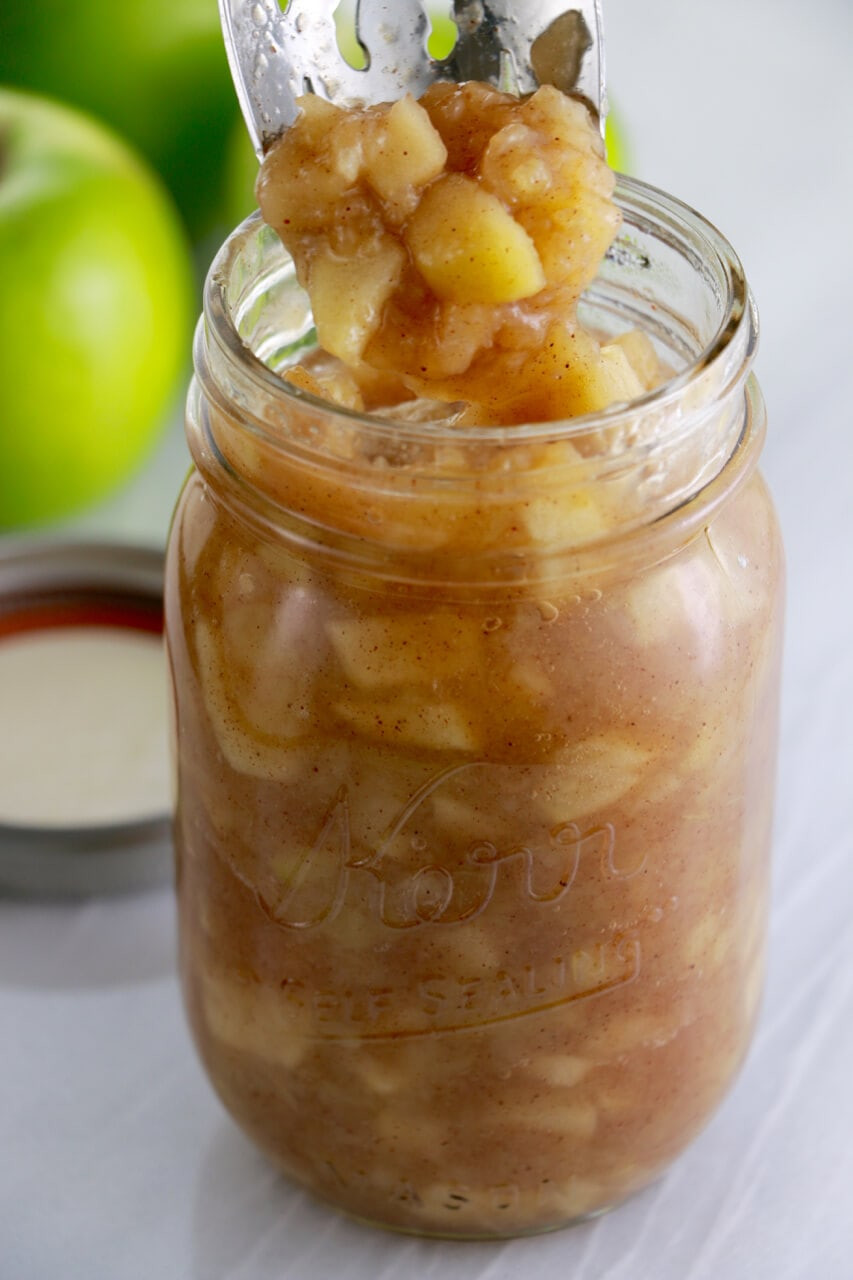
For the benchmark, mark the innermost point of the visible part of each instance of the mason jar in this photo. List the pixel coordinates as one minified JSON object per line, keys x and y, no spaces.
{"x":475,"y":745}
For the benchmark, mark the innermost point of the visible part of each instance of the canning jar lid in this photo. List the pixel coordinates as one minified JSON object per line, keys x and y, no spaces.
{"x":108,"y":595}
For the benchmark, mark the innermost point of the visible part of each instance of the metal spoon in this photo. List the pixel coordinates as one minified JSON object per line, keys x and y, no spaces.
{"x":515,"y":45}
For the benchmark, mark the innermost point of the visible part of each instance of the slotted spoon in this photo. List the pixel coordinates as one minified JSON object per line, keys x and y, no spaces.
{"x":275,"y":56}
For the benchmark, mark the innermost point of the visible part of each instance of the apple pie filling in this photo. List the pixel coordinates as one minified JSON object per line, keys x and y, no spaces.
{"x":446,"y":243}
{"x":475,"y":733}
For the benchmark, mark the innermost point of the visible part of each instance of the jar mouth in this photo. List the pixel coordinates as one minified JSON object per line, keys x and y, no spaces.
{"x":252,"y":264}
{"x":494,"y":503}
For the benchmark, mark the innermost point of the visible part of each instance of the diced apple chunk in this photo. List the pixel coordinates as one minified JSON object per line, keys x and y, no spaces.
{"x":565,"y":122}
{"x":348,"y":294}
{"x":339,"y":387}
{"x":404,"y":152}
{"x":317,"y":117}
{"x":573,"y":239}
{"x":378,"y":1076}
{"x":299,"y":188}
{"x":528,"y":675}
{"x":570,"y":375}
{"x":563,"y":1070}
{"x":641,"y":355}
{"x":709,"y":942}
{"x":612,"y":380}
{"x":514,"y":168}
{"x":591,"y":776}
{"x":407,"y":721}
{"x":406,"y":649}
{"x":255,"y":1020}
{"x":469,"y":248}
{"x":655,"y":603}
{"x":634,"y":1030}
{"x":248,"y":747}
{"x":572,"y":519}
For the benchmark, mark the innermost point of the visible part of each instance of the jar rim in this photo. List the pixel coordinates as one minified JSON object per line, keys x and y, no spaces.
{"x":676,"y":223}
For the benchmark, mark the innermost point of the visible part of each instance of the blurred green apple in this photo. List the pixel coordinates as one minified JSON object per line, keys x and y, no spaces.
{"x":241,"y":173}
{"x":442,"y":36}
{"x":154,"y":70}
{"x":616,"y":143}
{"x":95,"y":309}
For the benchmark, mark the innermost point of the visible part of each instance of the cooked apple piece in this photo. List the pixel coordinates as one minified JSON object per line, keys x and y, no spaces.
{"x":590,"y":776}
{"x":709,"y":943}
{"x":299,"y":377}
{"x":409,"y":721}
{"x":570,"y":375}
{"x":466,"y":116}
{"x":635,"y":1030}
{"x":655,"y":603}
{"x":585,"y":378}
{"x":378,"y":1076}
{"x":469,"y":248}
{"x":642,"y":357}
{"x":571,"y":239}
{"x":405,"y":649}
{"x":253,"y":1019}
{"x":567,"y":126}
{"x":565,"y":1070}
{"x":338,"y":387}
{"x":271,"y":750}
{"x":614,"y":380}
{"x":549,"y":167}
{"x":317,"y":118}
{"x":504,"y":208}
{"x":529,"y":676}
{"x":515,"y":168}
{"x":570,"y":519}
{"x":297,"y":191}
{"x":402,"y":153}
{"x":348,"y":294}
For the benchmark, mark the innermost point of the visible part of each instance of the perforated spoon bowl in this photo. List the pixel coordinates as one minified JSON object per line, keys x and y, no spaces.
{"x":516,"y":45}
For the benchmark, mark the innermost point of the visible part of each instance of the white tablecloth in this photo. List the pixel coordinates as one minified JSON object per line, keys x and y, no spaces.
{"x":116,"y":1162}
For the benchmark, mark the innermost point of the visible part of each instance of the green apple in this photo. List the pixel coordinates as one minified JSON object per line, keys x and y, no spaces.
{"x":95,"y":309}
{"x":616,"y":143}
{"x":155,"y":70}
{"x":442,"y":36}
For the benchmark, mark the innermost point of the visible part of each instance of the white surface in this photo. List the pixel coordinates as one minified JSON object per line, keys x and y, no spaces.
{"x":117,"y":1162}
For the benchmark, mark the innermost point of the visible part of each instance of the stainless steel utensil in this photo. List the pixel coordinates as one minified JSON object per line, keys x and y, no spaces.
{"x":275,"y":55}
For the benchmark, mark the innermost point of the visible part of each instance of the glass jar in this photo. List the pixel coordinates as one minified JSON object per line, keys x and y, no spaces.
{"x":476,"y":740}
